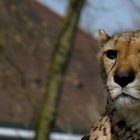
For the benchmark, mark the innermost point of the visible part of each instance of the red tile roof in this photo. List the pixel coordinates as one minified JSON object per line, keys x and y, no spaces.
{"x":28,"y":32}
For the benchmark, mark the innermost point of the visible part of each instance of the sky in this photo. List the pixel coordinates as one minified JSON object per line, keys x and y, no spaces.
{"x":58,"y":6}
{"x":111,"y":15}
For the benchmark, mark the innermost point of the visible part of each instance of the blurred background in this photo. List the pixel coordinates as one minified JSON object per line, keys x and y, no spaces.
{"x":29,"y":30}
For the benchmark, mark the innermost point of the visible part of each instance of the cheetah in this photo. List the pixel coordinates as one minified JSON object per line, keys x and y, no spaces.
{"x":119,"y":58}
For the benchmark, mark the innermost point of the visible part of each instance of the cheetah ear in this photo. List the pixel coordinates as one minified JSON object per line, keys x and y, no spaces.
{"x":102,"y":36}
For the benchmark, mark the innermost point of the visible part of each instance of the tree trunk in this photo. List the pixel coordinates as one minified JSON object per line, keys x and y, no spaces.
{"x":57,"y":70}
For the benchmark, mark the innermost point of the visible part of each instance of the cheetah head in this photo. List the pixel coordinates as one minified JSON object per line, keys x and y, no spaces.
{"x":119,"y":57}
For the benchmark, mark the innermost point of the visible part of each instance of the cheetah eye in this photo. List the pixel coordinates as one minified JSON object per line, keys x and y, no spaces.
{"x":111,"y":54}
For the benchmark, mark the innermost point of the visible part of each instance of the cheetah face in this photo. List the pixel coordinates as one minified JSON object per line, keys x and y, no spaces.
{"x":120,"y":62}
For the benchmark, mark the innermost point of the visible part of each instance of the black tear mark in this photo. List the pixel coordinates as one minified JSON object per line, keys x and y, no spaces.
{"x":112,"y":67}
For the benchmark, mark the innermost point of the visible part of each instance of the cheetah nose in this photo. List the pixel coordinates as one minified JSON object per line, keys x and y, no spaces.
{"x":124,"y":78}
